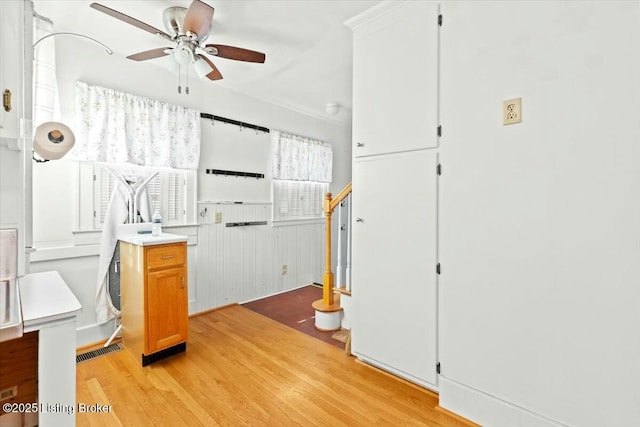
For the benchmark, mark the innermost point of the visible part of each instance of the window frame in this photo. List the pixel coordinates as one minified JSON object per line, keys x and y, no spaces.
{"x":90,"y":187}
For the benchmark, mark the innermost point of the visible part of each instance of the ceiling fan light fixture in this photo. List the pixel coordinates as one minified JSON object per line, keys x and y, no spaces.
{"x":188,"y":28}
{"x":183,"y":55}
{"x":201,"y":67}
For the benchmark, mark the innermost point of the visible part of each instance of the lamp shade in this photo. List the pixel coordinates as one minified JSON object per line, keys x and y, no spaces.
{"x":201,"y":67}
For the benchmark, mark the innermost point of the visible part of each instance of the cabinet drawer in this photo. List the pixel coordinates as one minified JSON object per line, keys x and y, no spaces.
{"x":165,"y":256}
{"x":19,"y":370}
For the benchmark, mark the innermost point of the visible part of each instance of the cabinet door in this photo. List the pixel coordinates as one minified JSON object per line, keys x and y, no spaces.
{"x":11,"y":32}
{"x":395,"y":76}
{"x":166,"y":309}
{"x":394,"y":264}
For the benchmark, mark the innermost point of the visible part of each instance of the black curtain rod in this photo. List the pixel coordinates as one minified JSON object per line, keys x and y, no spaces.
{"x":234,"y":122}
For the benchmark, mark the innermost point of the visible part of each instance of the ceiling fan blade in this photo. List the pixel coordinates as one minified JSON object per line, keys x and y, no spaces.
{"x":129,"y":20}
{"x":237,"y":53}
{"x":198,"y":19}
{"x":149,"y":54}
{"x":215,"y":73}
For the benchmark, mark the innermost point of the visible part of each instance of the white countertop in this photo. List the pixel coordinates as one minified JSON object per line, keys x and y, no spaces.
{"x":45,"y":297}
{"x":149,"y":239}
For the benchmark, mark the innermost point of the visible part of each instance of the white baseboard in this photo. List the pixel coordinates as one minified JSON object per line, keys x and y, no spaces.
{"x":396,"y":372}
{"x":93,"y":333}
{"x":487,"y":410}
{"x":275,"y":293}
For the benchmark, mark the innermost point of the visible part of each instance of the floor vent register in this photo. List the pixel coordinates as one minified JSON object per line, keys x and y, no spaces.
{"x":83,"y":357}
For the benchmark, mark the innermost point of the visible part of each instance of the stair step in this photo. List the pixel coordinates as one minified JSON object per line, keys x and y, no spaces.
{"x":320,"y":306}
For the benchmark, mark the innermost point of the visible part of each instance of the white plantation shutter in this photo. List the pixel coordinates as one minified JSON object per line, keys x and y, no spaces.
{"x":167,"y":192}
{"x":154,"y":191}
{"x":104,"y":184}
{"x":298,"y":199}
{"x":175,"y":197}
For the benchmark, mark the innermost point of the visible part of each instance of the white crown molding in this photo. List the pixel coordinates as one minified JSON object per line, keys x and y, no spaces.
{"x":334,"y":120}
{"x":373,"y":13}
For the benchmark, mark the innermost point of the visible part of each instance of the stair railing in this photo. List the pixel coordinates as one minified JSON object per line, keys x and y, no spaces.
{"x":329,"y":206}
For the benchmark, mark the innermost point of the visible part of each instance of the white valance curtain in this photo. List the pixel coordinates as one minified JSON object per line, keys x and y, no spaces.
{"x":118,"y":127}
{"x":298,"y":158}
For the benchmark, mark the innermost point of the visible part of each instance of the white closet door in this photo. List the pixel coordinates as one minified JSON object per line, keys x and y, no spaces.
{"x":395,"y":80}
{"x":394,"y":264}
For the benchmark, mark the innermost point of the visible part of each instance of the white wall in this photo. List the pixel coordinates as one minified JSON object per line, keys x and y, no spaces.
{"x":78,"y":59}
{"x":245,"y":263}
{"x":540,"y":221}
{"x":223,"y":147}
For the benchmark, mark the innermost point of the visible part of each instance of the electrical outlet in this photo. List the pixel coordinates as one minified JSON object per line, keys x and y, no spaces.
{"x":512,"y":111}
{"x":284,"y":269}
{"x":218,"y":217}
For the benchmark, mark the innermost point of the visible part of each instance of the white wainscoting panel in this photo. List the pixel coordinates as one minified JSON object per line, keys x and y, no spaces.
{"x":240,"y":264}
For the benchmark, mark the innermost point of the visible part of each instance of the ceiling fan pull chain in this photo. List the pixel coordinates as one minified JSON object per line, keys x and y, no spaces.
{"x":179,"y":72}
{"x":187,"y":87}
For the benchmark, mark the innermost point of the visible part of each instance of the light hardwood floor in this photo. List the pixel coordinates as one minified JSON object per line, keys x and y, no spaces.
{"x":241,"y":368}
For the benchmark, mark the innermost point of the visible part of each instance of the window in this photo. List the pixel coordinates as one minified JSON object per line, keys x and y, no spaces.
{"x":301,"y":169}
{"x":296,"y":200}
{"x":167,"y":192}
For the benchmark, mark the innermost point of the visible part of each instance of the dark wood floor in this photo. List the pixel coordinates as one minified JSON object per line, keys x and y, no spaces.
{"x":294,"y":309}
{"x":243,"y":369}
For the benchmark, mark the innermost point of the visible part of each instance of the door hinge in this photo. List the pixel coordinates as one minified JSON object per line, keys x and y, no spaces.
{"x":438,"y":268}
{"x":94,"y":214}
{"x":439,"y":169}
{"x":440,"y":20}
{"x":94,"y":177}
{"x":438,"y":367}
{"x":440,"y":130}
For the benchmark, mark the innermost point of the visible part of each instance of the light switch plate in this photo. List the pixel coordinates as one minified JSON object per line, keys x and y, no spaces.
{"x":512,"y":111}
{"x":218,"y":217}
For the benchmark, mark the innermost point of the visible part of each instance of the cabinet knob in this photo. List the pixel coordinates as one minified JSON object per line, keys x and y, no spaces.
{"x":360,"y":144}
{"x":359,"y":220}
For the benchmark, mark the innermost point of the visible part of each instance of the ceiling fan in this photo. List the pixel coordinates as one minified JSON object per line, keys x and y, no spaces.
{"x":188,"y":29}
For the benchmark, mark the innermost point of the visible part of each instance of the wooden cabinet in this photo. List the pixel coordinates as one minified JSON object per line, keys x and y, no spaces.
{"x":19,"y":379}
{"x":395,"y":78}
{"x":154,"y":299}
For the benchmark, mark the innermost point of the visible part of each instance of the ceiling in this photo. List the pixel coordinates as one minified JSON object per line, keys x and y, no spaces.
{"x":307,"y":46}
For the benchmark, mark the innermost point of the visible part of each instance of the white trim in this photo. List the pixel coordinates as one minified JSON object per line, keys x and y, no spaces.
{"x":397,"y":372}
{"x":87,"y":243}
{"x":374,"y":13}
{"x":275,"y":293}
{"x":93,"y":236}
{"x":293,"y":222}
{"x":333,"y":120}
{"x":227,"y":202}
{"x":65,"y":252}
{"x":487,"y":410}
